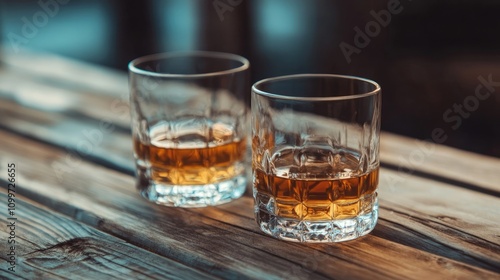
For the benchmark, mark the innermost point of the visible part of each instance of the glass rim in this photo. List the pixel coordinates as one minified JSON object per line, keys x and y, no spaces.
{"x":308,"y":98}
{"x":132,"y":66}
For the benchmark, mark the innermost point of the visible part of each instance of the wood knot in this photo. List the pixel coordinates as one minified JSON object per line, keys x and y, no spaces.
{"x":64,"y":253}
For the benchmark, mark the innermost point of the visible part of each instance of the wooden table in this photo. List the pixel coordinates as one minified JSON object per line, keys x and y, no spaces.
{"x":65,"y":126}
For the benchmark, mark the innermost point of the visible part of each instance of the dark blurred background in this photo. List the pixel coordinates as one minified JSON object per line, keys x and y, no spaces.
{"x":427,"y":57}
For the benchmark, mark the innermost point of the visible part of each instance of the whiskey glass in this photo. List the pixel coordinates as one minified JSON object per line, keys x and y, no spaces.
{"x":315,"y":156}
{"x":189,"y":131}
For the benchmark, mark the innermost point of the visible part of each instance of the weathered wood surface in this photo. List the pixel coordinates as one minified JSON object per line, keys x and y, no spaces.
{"x":103,"y":93}
{"x":225,"y":240}
{"x":469,"y":170}
{"x":434,"y":222}
{"x":49,"y":245}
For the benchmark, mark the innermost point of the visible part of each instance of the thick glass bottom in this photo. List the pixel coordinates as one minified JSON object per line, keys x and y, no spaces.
{"x":194,"y":195}
{"x":337,"y":230}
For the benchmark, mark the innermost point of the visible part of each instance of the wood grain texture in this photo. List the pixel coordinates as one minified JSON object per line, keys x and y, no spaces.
{"x":36,"y":92}
{"x":59,"y":70}
{"x":81,"y":137}
{"x":428,"y":227}
{"x":226,"y":242}
{"x":52,"y":246}
{"x":89,"y":139}
{"x":102,"y":94}
{"x":410,"y":155}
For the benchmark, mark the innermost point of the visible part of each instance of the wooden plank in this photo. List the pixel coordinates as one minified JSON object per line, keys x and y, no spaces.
{"x":57,"y":96}
{"x":55,"y":69}
{"x":409,"y":155}
{"x":462,"y":227}
{"x":81,"y":137}
{"x":49,"y":245}
{"x":225,"y":241}
{"x":101,"y":94}
{"x":75,"y":132}
{"x":401,"y":242}
{"x":158,"y":229}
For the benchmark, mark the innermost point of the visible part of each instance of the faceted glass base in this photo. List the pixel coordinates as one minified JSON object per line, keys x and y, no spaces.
{"x":195,"y":195}
{"x":336,"y":230}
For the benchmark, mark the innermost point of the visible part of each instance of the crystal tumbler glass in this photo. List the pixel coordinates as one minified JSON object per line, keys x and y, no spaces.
{"x":189,"y":126}
{"x":315,"y":163}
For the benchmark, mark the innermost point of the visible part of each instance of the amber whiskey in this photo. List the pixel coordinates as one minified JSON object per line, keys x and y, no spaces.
{"x":315,"y":184}
{"x":201,"y":156}
{"x":318,"y":199}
